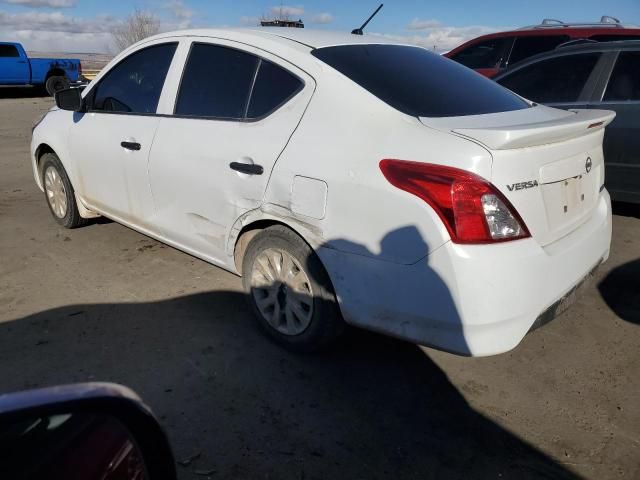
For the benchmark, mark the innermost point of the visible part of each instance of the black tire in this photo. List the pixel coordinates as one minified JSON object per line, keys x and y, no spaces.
{"x":326,"y":323}
{"x":55,"y":83}
{"x":71,"y":217}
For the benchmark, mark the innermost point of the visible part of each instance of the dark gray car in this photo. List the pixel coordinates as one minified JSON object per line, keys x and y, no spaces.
{"x":592,"y":75}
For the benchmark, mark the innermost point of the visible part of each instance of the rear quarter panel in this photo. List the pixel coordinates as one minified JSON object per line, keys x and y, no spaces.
{"x":344,"y":134}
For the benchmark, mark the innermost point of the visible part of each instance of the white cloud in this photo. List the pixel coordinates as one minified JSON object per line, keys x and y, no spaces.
{"x":54,"y":22}
{"x":42,"y":3}
{"x":54,"y":31}
{"x":418,"y":24}
{"x":287,"y":11}
{"x":322,"y":18}
{"x":181,"y":12}
{"x":443,"y":38}
{"x":39,"y":41}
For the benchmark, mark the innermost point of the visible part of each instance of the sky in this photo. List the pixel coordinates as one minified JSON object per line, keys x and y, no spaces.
{"x":84,"y":25}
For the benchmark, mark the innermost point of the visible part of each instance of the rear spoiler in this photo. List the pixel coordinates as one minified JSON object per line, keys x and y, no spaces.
{"x":581,"y":122}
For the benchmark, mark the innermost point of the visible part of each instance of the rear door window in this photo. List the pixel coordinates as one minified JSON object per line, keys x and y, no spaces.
{"x":273,"y":87}
{"x":554,"y":80}
{"x":134,"y":85}
{"x":8,"y":51}
{"x":624,"y":84}
{"x":525,"y":47}
{"x":216,"y":82}
{"x":487,"y":54}
{"x":418,"y":82}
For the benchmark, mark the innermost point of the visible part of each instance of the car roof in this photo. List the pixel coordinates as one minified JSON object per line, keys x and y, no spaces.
{"x":302,"y":36}
{"x":576,"y":32}
{"x":574,"y":48}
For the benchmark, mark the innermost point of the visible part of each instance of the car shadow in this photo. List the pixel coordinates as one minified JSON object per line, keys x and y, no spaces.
{"x":626,"y":209}
{"x":619,"y":289}
{"x":23,"y":92}
{"x":237,"y":404}
{"x":401,"y":276}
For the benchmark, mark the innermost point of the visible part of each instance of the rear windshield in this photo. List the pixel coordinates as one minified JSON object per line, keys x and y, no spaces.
{"x":418,"y":82}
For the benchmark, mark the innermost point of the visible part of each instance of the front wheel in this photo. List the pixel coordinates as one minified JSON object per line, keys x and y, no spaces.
{"x":59,"y":193}
{"x":55,"y":83}
{"x":290,"y":292}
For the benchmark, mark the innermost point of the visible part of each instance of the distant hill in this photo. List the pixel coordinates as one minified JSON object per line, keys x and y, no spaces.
{"x":90,"y":61}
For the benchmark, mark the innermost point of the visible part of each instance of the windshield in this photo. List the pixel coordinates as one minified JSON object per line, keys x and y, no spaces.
{"x":418,"y":82}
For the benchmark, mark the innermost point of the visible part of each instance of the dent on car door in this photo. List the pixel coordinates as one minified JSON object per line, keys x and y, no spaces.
{"x":110,"y":143}
{"x":622,"y":137}
{"x":235,"y":110}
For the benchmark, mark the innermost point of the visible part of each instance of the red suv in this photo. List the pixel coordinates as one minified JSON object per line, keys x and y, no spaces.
{"x":493,"y":53}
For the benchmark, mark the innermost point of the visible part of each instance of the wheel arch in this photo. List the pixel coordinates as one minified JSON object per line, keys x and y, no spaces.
{"x":56,"y":71}
{"x":39,"y":153}
{"x":250,"y":230}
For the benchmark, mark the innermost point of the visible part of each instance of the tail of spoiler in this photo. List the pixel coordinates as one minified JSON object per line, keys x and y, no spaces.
{"x":497,"y":136}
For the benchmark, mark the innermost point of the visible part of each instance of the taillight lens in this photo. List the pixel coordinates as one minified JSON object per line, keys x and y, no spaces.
{"x":472,"y":209}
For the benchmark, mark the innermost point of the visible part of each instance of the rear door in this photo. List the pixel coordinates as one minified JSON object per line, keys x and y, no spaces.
{"x":235,"y":109}
{"x":622,"y":138}
{"x":14,"y":68}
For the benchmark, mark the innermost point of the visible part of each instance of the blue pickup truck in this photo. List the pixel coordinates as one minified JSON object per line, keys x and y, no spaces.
{"x":51,"y":73}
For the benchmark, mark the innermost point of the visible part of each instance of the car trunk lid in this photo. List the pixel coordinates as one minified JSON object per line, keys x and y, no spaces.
{"x":547,"y":162}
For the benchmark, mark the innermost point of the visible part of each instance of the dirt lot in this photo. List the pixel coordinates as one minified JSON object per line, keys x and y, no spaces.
{"x":106,"y":303}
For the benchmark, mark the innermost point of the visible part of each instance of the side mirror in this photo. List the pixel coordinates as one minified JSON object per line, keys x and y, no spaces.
{"x":91,"y":431}
{"x":69,"y":99}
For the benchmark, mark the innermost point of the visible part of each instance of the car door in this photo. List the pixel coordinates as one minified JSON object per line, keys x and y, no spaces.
{"x":14,"y":68}
{"x":236,"y":107}
{"x":110,"y":143}
{"x":563,"y":81}
{"x":622,"y":137}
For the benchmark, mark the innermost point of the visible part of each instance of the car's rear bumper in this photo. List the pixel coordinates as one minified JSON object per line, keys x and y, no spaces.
{"x":469,"y":299}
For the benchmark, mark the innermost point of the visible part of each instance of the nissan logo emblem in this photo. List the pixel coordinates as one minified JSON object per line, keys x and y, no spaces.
{"x":588,"y":164}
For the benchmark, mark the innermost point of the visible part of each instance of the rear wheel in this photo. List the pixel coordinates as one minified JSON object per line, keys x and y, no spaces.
{"x":56,"y":83}
{"x":290,"y":292}
{"x":59,"y":193}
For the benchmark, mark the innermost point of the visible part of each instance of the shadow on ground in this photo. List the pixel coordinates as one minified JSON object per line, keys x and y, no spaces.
{"x":626,"y":209}
{"x":619,"y":289}
{"x":23,"y":92}
{"x":372,"y":408}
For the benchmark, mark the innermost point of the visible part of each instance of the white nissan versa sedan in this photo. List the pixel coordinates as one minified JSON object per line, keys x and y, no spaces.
{"x":348,"y":179}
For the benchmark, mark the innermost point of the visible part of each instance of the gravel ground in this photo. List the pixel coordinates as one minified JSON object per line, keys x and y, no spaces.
{"x":106,"y":303}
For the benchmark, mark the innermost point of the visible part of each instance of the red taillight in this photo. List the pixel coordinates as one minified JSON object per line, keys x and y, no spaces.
{"x":472,"y":209}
